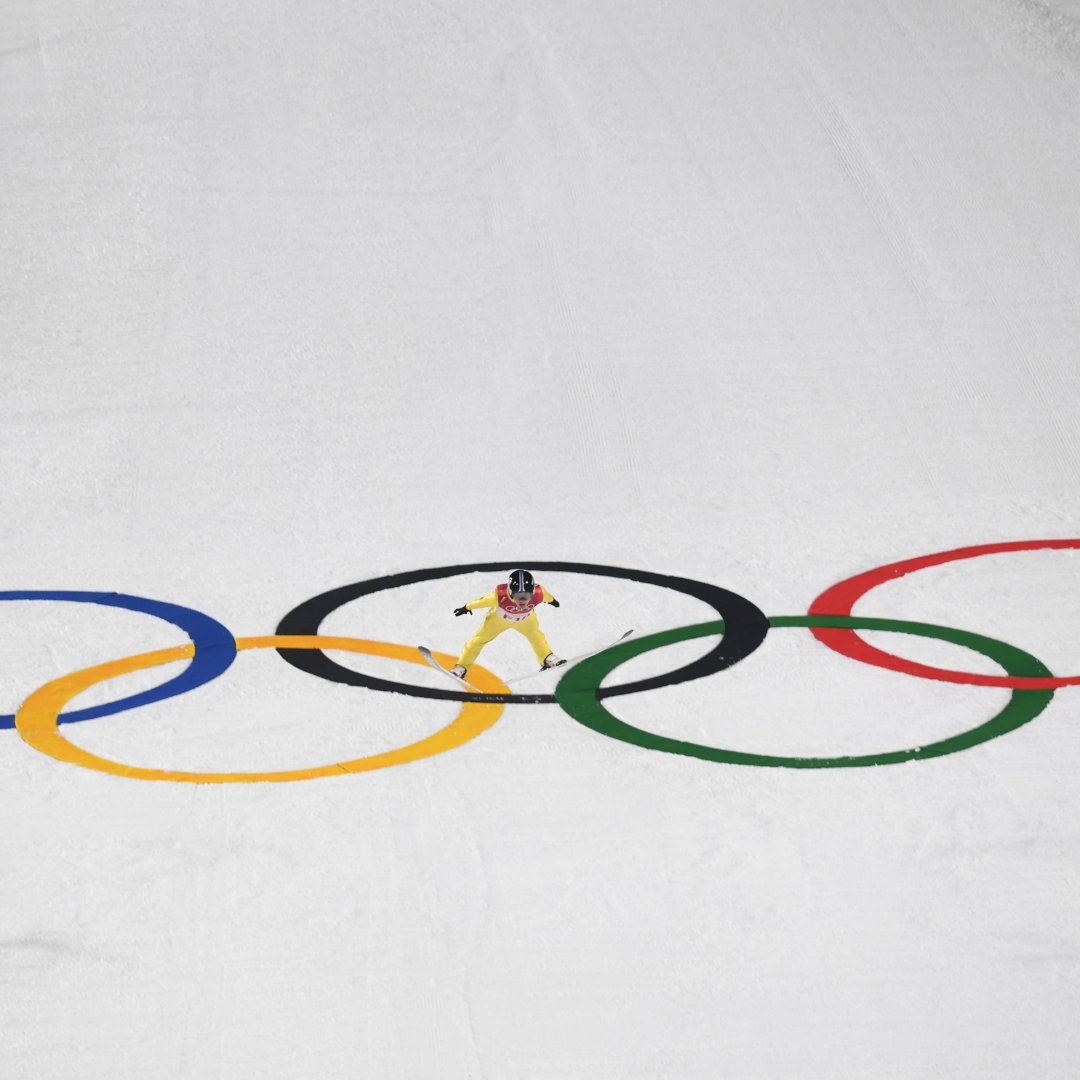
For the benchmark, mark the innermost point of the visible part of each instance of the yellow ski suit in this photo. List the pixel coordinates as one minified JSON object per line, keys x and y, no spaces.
{"x":495,"y":623}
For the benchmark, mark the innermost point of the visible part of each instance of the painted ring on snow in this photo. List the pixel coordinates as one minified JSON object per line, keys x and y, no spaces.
{"x":214,"y":648}
{"x":747,"y":629}
{"x":839,"y":599}
{"x":577,"y":694}
{"x":37,"y":718}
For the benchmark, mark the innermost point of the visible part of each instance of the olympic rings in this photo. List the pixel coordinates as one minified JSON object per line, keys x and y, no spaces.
{"x":213,"y":645}
{"x":742,"y":625}
{"x":577,"y":694}
{"x":37,"y":719}
{"x":841,"y":598}
{"x":747,"y":623}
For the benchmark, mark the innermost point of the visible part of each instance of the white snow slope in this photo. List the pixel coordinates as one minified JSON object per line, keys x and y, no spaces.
{"x":760,"y":294}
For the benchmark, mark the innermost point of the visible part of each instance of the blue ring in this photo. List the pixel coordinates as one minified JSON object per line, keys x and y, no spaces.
{"x":215,"y":648}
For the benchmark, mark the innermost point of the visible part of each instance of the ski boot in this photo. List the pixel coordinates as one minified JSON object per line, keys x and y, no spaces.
{"x":551,"y":660}
{"x":458,"y":671}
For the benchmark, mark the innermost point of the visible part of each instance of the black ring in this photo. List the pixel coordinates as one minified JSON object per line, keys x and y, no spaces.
{"x":746,"y":627}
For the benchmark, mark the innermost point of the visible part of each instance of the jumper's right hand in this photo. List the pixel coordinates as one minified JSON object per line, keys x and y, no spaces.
{"x":462,"y":611}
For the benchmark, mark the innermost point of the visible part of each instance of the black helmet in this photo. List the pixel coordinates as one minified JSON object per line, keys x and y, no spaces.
{"x":521,"y":583}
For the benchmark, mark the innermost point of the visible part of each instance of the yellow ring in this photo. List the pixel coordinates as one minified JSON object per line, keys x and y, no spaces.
{"x":36,"y":720}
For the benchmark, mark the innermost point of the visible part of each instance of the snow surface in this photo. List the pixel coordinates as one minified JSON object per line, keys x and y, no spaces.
{"x":757,"y":293}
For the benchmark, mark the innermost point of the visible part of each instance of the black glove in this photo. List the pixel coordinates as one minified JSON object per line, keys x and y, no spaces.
{"x":462,"y":611}
{"x":553,"y":602}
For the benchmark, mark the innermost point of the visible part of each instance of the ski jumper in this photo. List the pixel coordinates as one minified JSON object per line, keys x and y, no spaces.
{"x":506,"y":614}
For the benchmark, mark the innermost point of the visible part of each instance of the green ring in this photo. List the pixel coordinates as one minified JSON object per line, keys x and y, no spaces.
{"x":577,"y":694}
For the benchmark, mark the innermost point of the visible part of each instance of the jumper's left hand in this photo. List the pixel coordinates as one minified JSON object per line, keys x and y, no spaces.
{"x":553,"y":602}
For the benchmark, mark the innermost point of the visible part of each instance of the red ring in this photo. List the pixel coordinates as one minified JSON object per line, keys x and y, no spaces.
{"x":839,"y":599}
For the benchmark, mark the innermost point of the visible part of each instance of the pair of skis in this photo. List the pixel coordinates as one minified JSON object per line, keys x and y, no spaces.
{"x":425,"y":652}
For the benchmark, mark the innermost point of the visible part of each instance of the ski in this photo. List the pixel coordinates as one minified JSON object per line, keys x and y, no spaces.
{"x":425,"y":652}
{"x":571,"y":660}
